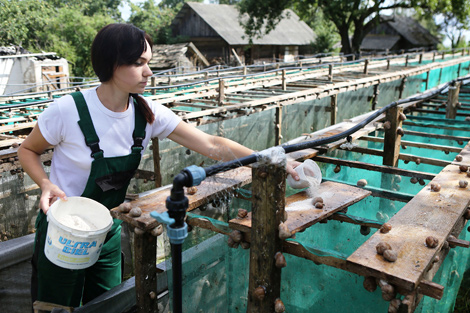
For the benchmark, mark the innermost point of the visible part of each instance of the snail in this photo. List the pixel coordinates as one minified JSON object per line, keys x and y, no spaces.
{"x":382,"y":247}
{"x":316,"y":200}
{"x":418,"y":161}
{"x":370,"y":284}
{"x":191,"y":190}
{"x":236,"y":236}
{"x":394,"y":305}
{"x":280,"y":260}
{"x":361,"y":183}
{"x":259,"y":293}
{"x":385,"y":228}
{"x":390,"y":255}
{"x":279,"y":306}
{"x":135,"y":212}
{"x":463,"y":183}
{"x":242,"y":213}
{"x":319,"y":205}
{"x":435,"y":187}
{"x":387,"y":125}
{"x":337,"y":169}
{"x":458,"y":158}
{"x":431,"y":242}
{"x":125,"y":207}
{"x":402,"y":116}
{"x":284,"y":231}
{"x":413,"y":180}
{"x":463,"y":168}
{"x":157,"y":231}
{"x":400,"y":131}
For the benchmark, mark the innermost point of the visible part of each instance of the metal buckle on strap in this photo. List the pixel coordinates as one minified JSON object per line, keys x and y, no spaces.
{"x":138,"y":142}
{"x":95,"y":148}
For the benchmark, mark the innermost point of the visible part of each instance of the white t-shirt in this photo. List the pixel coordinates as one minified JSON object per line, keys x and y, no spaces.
{"x":71,"y":161}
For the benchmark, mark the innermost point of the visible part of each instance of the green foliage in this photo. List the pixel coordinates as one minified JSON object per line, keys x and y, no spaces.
{"x":43,"y":26}
{"x":91,"y":7}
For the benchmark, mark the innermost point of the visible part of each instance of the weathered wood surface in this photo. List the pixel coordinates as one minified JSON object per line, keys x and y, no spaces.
{"x":209,"y":189}
{"x":427,"y":214}
{"x":335,"y":196}
{"x":465,"y":153}
{"x":268,"y":202}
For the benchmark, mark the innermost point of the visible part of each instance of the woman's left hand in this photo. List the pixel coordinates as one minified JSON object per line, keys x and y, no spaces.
{"x":290,"y":169}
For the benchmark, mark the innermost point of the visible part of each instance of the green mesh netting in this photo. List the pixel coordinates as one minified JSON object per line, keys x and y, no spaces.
{"x":215,"y":277}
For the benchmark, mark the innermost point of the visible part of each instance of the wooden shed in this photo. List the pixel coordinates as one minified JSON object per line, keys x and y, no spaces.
{"x":184,"y":56}
{"x":399,"y":33}
{"x":216,"y":31}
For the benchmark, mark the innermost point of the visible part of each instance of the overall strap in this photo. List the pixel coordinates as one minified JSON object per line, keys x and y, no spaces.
{"x":139,"y":129}
{"x":86,"y":125}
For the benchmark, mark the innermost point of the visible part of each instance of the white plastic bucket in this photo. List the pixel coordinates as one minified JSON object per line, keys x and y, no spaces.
{"x":309,"y":174}
{"x":76,"y":232}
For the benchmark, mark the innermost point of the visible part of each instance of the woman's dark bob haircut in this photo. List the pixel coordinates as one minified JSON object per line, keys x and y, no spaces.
{"x":116,"y":45}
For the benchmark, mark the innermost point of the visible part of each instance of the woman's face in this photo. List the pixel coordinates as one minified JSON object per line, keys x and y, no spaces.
{"x":133,"y":78}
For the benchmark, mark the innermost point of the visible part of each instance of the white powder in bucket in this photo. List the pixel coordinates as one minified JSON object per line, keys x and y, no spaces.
{"x":76,"y":222}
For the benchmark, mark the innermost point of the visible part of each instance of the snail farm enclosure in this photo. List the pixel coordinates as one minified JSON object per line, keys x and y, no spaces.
{"x":397,"y":182}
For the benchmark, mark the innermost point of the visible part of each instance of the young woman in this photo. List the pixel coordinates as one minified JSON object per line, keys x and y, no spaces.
{"x":98,"y":137}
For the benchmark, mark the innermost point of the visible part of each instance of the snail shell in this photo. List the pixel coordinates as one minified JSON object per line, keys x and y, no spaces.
{"x":463,"y":168}
{"x":463,"y":183}
{"x":382,"y":247}
{"x":280,"y":260}
{"x":191,"y":190}
{"x":431,"y":242}
{"x":370,"y":284}
{"x":361,"y":182}
{"x":259,"y":293}
{"x":390,"y":255}
{"x":135,"y":212}
{"x":458,"y":158}
{"x":242,"y":213}
{"x":279,"y":306}
{"x":125,"y":207}
{"x":435,"y":187}
{"x":385,"y":228}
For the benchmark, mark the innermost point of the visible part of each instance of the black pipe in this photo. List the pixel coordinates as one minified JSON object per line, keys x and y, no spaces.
{"x":222,"y":167}
{"x":177,"y":269}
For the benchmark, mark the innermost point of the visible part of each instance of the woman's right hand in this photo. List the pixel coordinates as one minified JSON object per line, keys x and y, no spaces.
{"x":50,"y":193}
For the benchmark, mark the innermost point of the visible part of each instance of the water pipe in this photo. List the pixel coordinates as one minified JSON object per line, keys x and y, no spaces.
{"x":177,"y":203}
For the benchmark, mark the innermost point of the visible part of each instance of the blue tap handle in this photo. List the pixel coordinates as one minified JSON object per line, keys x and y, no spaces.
{"x":162,"y":217}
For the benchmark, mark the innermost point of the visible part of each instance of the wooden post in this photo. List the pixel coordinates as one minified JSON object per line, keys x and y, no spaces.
{"x":427,"y":80}
{"x":388,"y":64}
{"x":434,"y":56}
{"x":443,"y":55}
{"x":269,"y":188}
{"x":153,"y":83}
{"x":366,"y":64}
{"x":420,"y":58}
{"x":156,"y":162}
{"x":333,"y":108}
{"x":244,"y":72}
{"x":145,"y":251}
{"x":392,"y":139}
{"x":221,"y":92}
{"x":278,"y":125}
{"x":406,"y":60}
{"x":375,"y":97}
{"x":330,"y":73}
{"x":284,"y":83}
{"x":452,"y":100}
{"x":402,"y":87}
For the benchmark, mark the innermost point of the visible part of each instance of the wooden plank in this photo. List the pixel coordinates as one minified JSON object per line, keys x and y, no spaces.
{"x":209,"y":189}
{"x":438,"y":136}
{"x":416,"y":144}
{"x":373,"y":167}
{"x":465,"y":153}
{"x":427,"y":214}
{"x":335,"y":196}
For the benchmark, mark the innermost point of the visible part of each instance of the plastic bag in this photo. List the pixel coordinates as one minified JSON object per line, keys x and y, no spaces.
{"x":309,"y":174}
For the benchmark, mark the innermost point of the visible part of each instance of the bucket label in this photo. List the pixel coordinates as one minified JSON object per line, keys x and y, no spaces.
{"x":76,"y":247}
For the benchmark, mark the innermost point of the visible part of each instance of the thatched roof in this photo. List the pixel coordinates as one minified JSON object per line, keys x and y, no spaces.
{"x":224,"y":20}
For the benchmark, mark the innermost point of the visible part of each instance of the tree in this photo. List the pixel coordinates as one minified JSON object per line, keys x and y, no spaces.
{"x":352,"y":19}
{"x":39,"y":26}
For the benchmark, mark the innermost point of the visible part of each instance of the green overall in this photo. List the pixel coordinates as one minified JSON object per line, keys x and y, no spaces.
{"x":107,"y":184}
